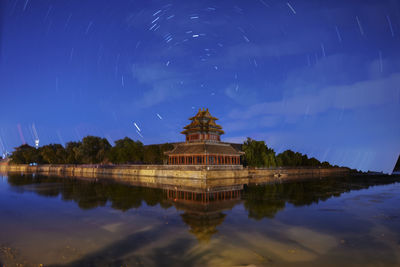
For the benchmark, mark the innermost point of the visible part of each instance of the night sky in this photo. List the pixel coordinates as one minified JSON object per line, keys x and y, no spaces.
{"x":318,"y":77}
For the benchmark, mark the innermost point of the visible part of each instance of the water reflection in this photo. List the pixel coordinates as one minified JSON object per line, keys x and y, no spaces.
{"x":89,"y":194}
{"x":266,"y":201}
{"x":202,"y":212}
{"x":118,"y":224}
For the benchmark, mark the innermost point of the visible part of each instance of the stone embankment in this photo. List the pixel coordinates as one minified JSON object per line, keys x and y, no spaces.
{"x":182,"y":177}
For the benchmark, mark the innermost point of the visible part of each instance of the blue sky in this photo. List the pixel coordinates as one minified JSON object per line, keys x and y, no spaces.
{"x":318,"y":77}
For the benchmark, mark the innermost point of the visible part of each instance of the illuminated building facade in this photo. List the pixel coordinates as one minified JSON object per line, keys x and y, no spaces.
{"x":203,"y":144}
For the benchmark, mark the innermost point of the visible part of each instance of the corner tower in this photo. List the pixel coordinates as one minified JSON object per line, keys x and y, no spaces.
{"x":203,"y":144}
{"x":203,"y":127}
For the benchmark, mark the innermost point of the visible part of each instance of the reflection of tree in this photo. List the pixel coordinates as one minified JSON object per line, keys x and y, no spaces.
{"x":265,"y":201}
{"x":90,"y":194}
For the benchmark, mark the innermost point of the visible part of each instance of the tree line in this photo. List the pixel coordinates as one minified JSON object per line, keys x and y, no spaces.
{"x":258,"y":154}
{"x":97,"y":150}
{"x":92,"y":150}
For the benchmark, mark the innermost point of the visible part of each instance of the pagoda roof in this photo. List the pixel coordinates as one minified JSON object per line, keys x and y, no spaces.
{"x":202,"y":129}
{"x":204,"y":148}
{"x":203,"y":122}
{"x":205,"y":113}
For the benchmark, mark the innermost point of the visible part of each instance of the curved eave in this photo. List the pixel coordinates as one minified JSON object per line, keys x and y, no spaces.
{"x":203,"y":127}
{"x":202,"y":130}
{"x":197,"y":125}
{"x":202,"y":116}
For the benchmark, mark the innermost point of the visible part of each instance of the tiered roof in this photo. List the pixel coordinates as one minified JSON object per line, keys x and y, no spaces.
{"x":203,"y":122}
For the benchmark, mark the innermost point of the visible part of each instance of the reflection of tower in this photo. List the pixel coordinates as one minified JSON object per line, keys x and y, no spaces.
{"x":203,"y":226}
{"x":37,"y":143}
{"x":203,"y":212}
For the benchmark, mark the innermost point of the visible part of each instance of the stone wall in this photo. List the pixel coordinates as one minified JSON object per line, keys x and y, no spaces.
{"x":183,"y":177}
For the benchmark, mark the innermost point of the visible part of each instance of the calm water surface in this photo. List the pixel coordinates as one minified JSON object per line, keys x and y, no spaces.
{"x":330,"y":222}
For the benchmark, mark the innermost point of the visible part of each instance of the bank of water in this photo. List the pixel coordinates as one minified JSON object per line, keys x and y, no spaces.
{"x":198,"y":178}
{"x":348,"y":221}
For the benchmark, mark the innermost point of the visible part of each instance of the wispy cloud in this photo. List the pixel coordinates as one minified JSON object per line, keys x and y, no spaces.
{"x":158,"y":84}
{"x":358,"y":95}
{"x":261,"y":51}
{"x":241,"y":94}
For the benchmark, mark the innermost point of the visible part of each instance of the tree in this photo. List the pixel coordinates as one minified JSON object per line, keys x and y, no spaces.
{"x":93,"y":149}
{"x":25,"y":154}
{"x":314,"y":162}
{"x":257,"y":154}
{"x":53,"y":154}
{"x":126,"y":151}
{"x":152,"y":154}
{"x":290,"y":158}
{"x":72,"y":151}
{"x":296,"y":159}
{"x":326,"y":164}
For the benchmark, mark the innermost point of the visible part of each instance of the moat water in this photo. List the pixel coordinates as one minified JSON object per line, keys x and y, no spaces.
{"x":330,"y":222}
